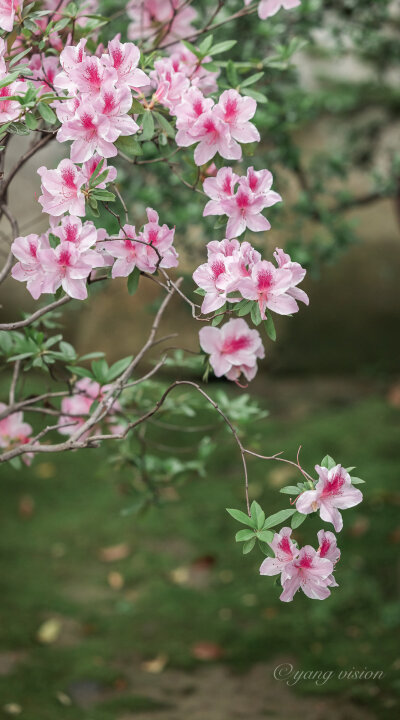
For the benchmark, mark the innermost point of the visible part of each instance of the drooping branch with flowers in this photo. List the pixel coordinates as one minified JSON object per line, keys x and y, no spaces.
{"x":163,"y":87}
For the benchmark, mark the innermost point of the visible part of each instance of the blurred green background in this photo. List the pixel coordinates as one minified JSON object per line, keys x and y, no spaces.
{"x":112,"y":615}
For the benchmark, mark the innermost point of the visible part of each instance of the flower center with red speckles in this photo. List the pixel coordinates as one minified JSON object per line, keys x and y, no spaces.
{"x":242,"y":200}
{"x":153,"y":236}
{"x":264,"y":281}
{"x":284,"y":545}
{"x":333,"y":487}
{"x":235,"y":344}
{"x":198,"y":107}
{"x":209,"y":126}
{"x":87,"y":122}
{"x":68,"y":178}
{"x":324,"y":548}
{"x":231,"y":110}
{"x":305,"y":561}
{"x":117,"y":57}
{"x":33,"y":250}
{"x":217,"y":268}
{"x":65,"y":258}
{"x":92,"y":75}
{"x":109,"y":103}
{"x":71,"y":233}
{"x":227,"y":186}
{"x":253,"y":182}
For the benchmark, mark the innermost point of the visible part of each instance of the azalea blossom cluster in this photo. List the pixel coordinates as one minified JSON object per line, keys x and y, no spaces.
{"x":75,"y":409}
{"x":9,"y":109}
{"x":308,"y":569}
{"x":240,"y":198}
{"x":99,"y":89}
{"x":215,"y":127}
{"x":303,"y":569}
{"x":236,"y":271}
{"x":174,"y":79}
{"x":14,"y":431}
{"x":67,"y":254}
{"x":170,"y":20}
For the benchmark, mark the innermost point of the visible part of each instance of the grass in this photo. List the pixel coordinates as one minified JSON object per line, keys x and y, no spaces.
{"x":185,"y":579}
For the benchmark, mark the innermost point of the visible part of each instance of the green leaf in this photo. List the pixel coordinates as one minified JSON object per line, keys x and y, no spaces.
{"x":30,"y":121}
{"x":297,"y":519}
{"x":258,"y":514}
{"x":9,"y":79}
{"x":244,"y":535}
{"x":165,"y":125}
{"x":328,"y":462}
{"x":222,"y":47}
{"x":259,"y":97}
{"x":243,"y":308}
{"x":255,"y":313}
{"x":133,"y":281}
{"x":136,"y":107}
{"x":270,"y":327}
{"x":147,"y":126}
{"x":47,"y":113}
{"x":129,"y":146}
{"x":205,"y":45}
{"x":264,"y":548}
{"x":18,"y":128}
{"x":80,"y":371}
{"x":91,"y":356}
{"x":219,"y":317}
{"x":356,"y":480}
{"x":248,"y":546}
{"x":100,"y":370}
{"x":240,"y":517}
{"x":16,"y":463}
{"x":265,"y":535}
{"x":277,"y":518}
{"x":251,"y":80}
{"x":118,"y":368}
{"x":290,"y":490}
{"x":103,"y":195}
{"x":232,"y":73}
{"x":192,"y":49}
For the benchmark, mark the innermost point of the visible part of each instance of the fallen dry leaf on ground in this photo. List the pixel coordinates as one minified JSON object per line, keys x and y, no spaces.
{"x":114,"y":552}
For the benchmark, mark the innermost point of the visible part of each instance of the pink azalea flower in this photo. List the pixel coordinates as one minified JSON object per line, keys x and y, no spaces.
{"x":115,"y":103}
{"x":44,"y":71}
{"x":213,"y":135}
{"x":186,"y":62}
{"x":269,"y":285}
{"x":333,"y":492}
{"x":91,"y":74}
{"x":3,"y":50}
{"x":124,"y":58}
{"x":91,"y":132}
{"x":148,"y":16}
{"x":216,"y":279}
{"x":11,"y":109}
{"x":283,"y":260}
{"x":90,"y":166}
{"x":29,"y":268}
{"x":160,"y":237}
{"x":268,"y":8}
{"x":219,"y":188}
{"x":328,"y":549}
{"x":308,"y":572}
{"x":8,"y":8}
{"x":285,"y":551}
{"x":129,"y":254}
{"x":76,"y":408}
{"x":82,"y":235}
{"x":233,"y":346}
{"x":70,"y":58}
{"x":14,"y":431}
{"x":67,"y":267}
{"x":236,"y":110}
{"x":62,"y":189}
{"x":187,"y":112}
{"x":244,"y":210}
{"x":174,"y":84}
